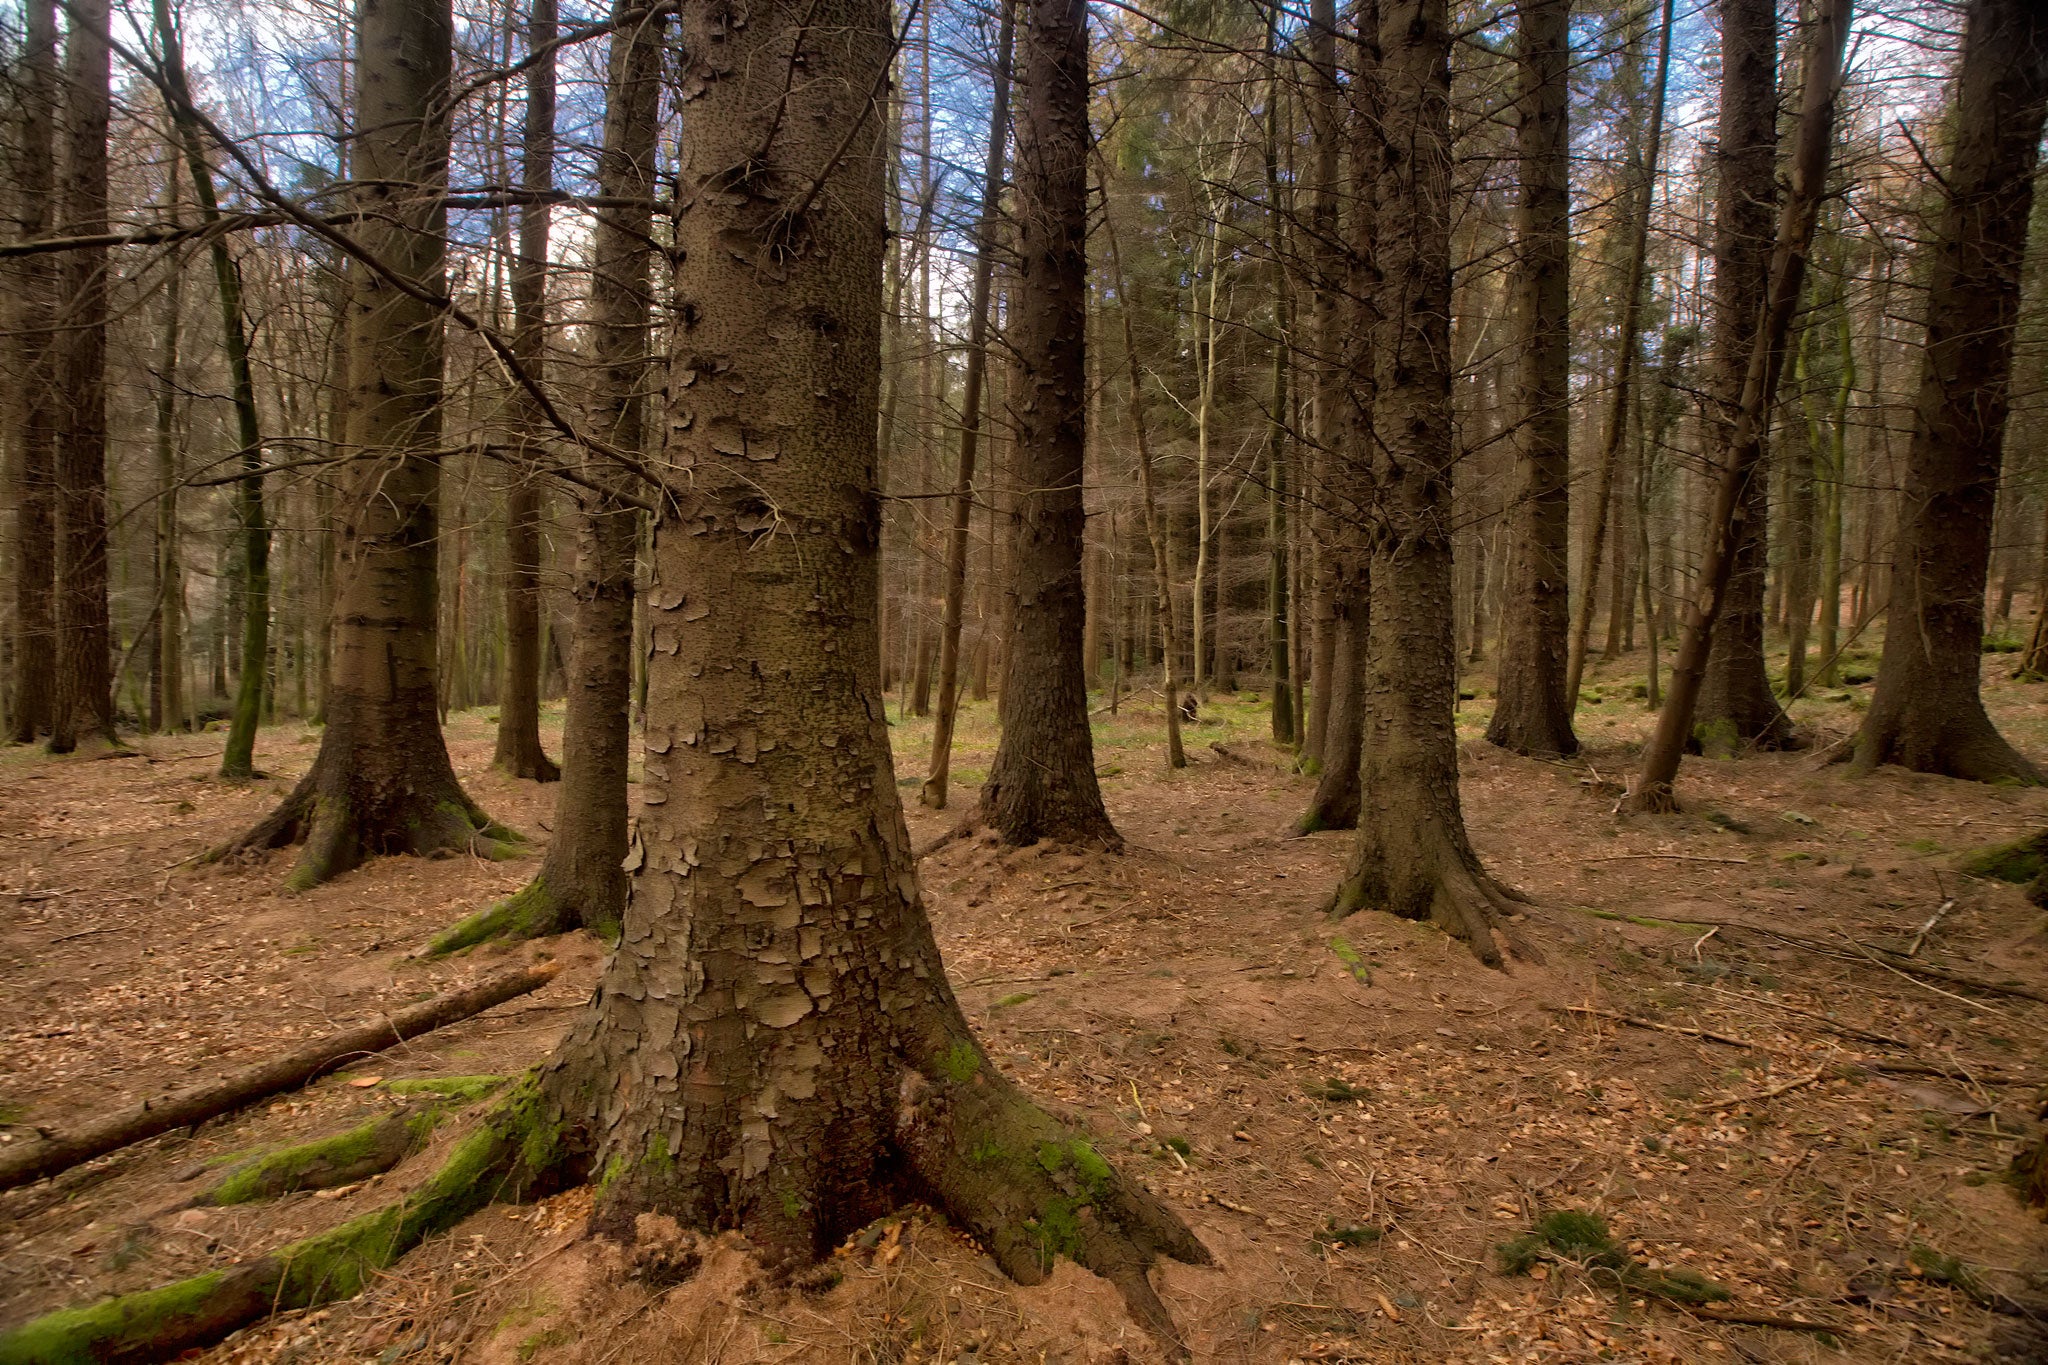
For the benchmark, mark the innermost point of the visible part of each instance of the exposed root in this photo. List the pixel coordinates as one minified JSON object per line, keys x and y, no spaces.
{"x":533,"y":911}
{"x":1655,"y":799}
{"x":1459,"y":898}
{"x":336,"y":837}
{"x":343,"y":1158}
{"x":1031,"y":1190}
{"x":511,"y":1150}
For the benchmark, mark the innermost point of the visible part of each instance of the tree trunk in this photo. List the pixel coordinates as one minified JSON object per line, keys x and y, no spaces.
{"x":1327,"y":270}
{"x":1042,"y":782}
{"x":582,"y":881}
{"x":933,"y":793}
{"x":519,"y":750}
{"x":1927,"y":713}
{"x":1278,"y":420}
{"x":1736,"y":708}
{"x":774,"y":1047}
{"x":85,"y":685}
{"x":1821,"y":69}
{"x":1534,"y":712}
{"x":1412,"y":857}
{"x":382,"y":782}
{"x":166,"y":648}
{"x":30,"y":347}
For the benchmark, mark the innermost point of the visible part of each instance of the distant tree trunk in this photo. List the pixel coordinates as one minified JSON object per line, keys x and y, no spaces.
{"x":1042,"y":783}
{"x":582,"y":880}
{"x":167,"y":653}
{"x":1642,"y":196}
{"x":30,"y":352}
{"x":1155,"y":527}
{"x":85,"y":684}
{"x":1736,"y":707}
{"x":1821,"y":73}
{"x":519,"y":751}
{"x":382,"y":782}
{"x":1534,"y":712}
{"x":1325,"y":108}
{"x":1801,"y":505}
{"x":1927,"y":713}
{"x":933,"y":793}
{"x":1345,"y":492}
{"x":1412,"y":857}
{"x":774,"y":1048}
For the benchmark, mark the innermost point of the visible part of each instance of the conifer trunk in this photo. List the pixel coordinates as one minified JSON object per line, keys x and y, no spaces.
{"x":774,"y":1047}
{"x":382,"y":781}
{"x":31,"y":314}
{"x":1735,"y":706}
{"x":1534,"y":712}
{"x":84,"y":704}
{"x":1927,"y":712}
{"x":1042,"y":783}
{"x":519,"y":750}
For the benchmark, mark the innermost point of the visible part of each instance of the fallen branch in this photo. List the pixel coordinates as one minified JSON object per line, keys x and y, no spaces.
{"x":1634,"y":1022}
{"x":196,"y":1104}
{"x":1740,"y":1318}
{"x":1784,"y":1087}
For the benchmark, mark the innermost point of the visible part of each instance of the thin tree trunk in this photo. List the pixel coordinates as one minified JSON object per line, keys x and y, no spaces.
{"x":933,"y":793}
{"x":166,"y":653}
{"x":1822,"y":68}
{"x":1155,"y":529}
{"x":1927,"y":712}
{"x":519,"y":750}
{"x":1326,"y":249}
{"x":1534,"y":711}
{"x":1642,"y":197}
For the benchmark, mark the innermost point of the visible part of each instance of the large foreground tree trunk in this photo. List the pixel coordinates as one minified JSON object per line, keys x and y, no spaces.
{"x":1735,"y":704}
{"x":1927,"y":713}
{"x":1821,"y":71}
{"x":382,"y":782}
{"x":519,"y":750}
{"x":85,"y":684}
{"x":1412,"y":856}
{"x":1042,"y":782}
{"x":1534,"y":712}
{"x":774,"y":1047}
{"x":31,"y":316}
{"x":582,"y":880}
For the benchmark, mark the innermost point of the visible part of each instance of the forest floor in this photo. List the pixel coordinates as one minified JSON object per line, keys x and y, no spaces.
{"x":1352,"y":1116}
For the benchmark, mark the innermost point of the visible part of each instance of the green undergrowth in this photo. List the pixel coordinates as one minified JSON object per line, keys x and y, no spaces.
{"x":1574,"y":1237}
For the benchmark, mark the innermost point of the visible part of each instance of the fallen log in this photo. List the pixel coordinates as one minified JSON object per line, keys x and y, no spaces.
{"x":182,"y":1108}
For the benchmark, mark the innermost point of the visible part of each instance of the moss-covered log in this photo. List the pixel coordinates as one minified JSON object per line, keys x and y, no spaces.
{"x":182,"y":1108}
{"x":2023,"y":861}
{"x":510,"y":1152}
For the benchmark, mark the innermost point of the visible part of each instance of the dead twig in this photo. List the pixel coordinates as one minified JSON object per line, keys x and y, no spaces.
{"x":1634,"y":1022}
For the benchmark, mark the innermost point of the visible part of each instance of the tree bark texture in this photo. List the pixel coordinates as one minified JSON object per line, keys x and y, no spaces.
{"x":84,"y":704}
{"x":773,"y":1046}
{"x":1534,"y":712}
{"x":1652,"y":791}
{"x":1412,"y":857}
{"x":31,"y":317}
{"x":1736,"y":707}
{"x":382,"y":782}
{"x":1927,"y":713}
{"x":1042,"y":784}
{"x":519,"y":751}
{"x":1324,"y":103}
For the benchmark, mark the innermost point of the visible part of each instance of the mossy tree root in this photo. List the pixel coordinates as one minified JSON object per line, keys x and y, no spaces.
{"x":533,"y":911}
{"x":2023,"y":860}
{"x":1458,"y":898}
{"x":1030,"y":1189}
{"x":512,"y":1150}
{"x":370,"y":1148}
{"x":336,"y":837}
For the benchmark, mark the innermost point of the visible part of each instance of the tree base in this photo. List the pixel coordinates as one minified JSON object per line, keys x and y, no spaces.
{"x":533,"y":911}
{"x":339,"y":828}
{"x":1447,"y":889}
